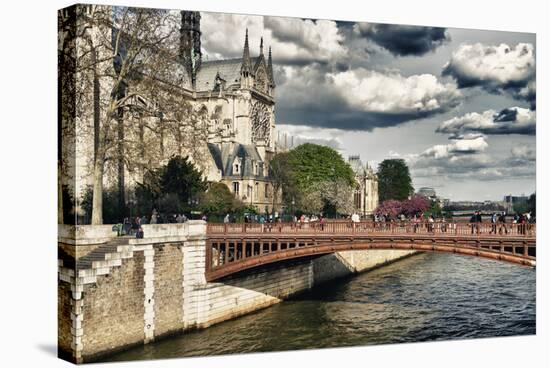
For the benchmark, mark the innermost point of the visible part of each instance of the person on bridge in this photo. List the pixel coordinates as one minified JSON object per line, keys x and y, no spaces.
{"x":226,"y":219}
{"x":502,"y":223}
{"x":494,"y":219}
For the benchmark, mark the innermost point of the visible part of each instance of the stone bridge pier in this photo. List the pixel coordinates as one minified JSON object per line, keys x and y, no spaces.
{"x":118,"y":292}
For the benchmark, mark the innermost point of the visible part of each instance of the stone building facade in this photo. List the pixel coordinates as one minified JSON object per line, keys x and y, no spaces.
{"x":229,"y":130}
{"x":365,"y":195}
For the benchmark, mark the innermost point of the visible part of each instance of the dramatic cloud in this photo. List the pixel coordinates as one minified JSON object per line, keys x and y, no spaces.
{"x":513,"y":120}
{"x":359,"y":99}
{"x":392,"y":93}
{"x":467,"y":158}
{"x":496,"y":69}
{"x":293,"y":40}
{"x":403,"y":40}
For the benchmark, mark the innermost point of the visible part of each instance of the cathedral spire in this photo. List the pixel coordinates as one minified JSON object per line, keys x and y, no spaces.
{"x":270,"y":67}
{"x":261,"y":46}
{"x":246,"y":55}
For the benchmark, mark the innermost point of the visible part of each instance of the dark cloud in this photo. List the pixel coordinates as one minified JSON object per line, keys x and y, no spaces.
{"x":403,"y":40}
{"x":497,"y":69}
{"x":359,"y":99}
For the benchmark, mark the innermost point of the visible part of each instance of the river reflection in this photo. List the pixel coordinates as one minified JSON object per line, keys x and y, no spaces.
{"x":423,"y":298}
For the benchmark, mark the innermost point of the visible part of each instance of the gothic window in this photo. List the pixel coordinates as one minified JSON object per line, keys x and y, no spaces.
{"x":261,"y":122}
{"x":236,"y":188}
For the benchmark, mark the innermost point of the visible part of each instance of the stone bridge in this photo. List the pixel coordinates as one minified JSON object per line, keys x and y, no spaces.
{"x":118,"y":292}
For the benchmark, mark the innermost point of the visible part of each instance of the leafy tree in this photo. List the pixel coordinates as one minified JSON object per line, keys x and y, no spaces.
{"x":390,"y":207}
{"x":433,"y":210}
{"x":181,"y":177}
{"x":312,"y":164}
{"x":532,"y":204}
{"x":218,"y":200}
{"x":415,"y":206}
{"x":410,"y":207}
{"x":520,"y":207}
{"x":281,"y":175}
{"x":311,"y":167}
{"x":394,"y":180}
{"x":173,"y":188}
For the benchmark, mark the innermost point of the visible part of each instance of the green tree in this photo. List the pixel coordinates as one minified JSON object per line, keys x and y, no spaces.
{"x":181,"y":177}
{"x":394,"y":180}
{"x":281,"y":175}
{"x":173,"y":188}
{"x":521,"y":207}
{"x":434,"y":210}
{"x":532,"y":204}
{"x":218,"y":200}
{"x":311,"y":166}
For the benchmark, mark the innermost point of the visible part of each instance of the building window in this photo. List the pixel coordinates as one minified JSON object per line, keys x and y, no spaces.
{"x":249,"y":191}
{"x":236,"y":188}
{"x":357,"y":199}
{"x":266,"y":193}
{"x":236,"y":169}
{"x":256,"y":192}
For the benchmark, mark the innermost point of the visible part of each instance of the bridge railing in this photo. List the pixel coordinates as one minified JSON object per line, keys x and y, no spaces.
{"x":370,"y":227}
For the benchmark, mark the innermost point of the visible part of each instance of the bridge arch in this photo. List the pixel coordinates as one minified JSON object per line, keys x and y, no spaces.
{"x":235,"y":247}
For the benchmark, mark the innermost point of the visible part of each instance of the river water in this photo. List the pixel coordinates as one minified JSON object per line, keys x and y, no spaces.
{"x":426,"y":297}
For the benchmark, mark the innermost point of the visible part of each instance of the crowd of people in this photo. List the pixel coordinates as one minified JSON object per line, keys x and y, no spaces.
{"x":498,"y":221}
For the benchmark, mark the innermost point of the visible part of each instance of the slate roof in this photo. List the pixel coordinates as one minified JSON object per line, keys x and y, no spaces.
{"x":230,"y":71}
{"x":225,"y":156}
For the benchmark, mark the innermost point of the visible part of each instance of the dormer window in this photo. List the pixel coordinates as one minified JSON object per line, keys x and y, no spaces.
{"x":237,"y":166}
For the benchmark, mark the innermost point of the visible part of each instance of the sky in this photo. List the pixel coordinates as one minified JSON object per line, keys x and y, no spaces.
{"x":458,"y":105}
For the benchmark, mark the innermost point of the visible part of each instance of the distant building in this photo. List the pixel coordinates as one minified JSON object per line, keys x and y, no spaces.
{"x":427,"y":192}
{"x":365,"y":196}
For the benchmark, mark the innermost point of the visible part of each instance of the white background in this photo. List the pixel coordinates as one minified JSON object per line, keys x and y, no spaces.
{"x":28,"y":136}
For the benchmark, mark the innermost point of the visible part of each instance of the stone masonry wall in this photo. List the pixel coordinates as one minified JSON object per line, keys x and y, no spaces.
{"x":340,"y":264}
{"x":113,"y":309}
{"x":219,"y":301}
{"x":168,"y":293}
{"x":64,"y":310}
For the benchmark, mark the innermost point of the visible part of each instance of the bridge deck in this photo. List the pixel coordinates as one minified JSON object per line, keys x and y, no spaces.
{"x":235,"y":247}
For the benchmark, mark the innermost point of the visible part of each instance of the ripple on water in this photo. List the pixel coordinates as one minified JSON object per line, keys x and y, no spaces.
{"x":428,"y":297}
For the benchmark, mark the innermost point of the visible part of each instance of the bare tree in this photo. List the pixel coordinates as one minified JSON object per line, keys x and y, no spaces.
{"x":128,"y":71}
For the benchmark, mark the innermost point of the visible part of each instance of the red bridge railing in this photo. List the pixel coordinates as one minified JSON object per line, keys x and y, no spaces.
{"x":373,"y":228}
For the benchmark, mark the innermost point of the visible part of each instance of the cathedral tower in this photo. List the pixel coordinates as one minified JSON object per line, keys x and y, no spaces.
{"x":190,"y":43}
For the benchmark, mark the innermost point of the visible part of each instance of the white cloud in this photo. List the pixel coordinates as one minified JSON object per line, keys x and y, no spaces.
{"x":460,"y":146}
{"x":293,"y":40}
{"x":500,"y":64}
{"x":377,"y":92}
{"x":514,"y":120}
{"x":497,"y":69}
